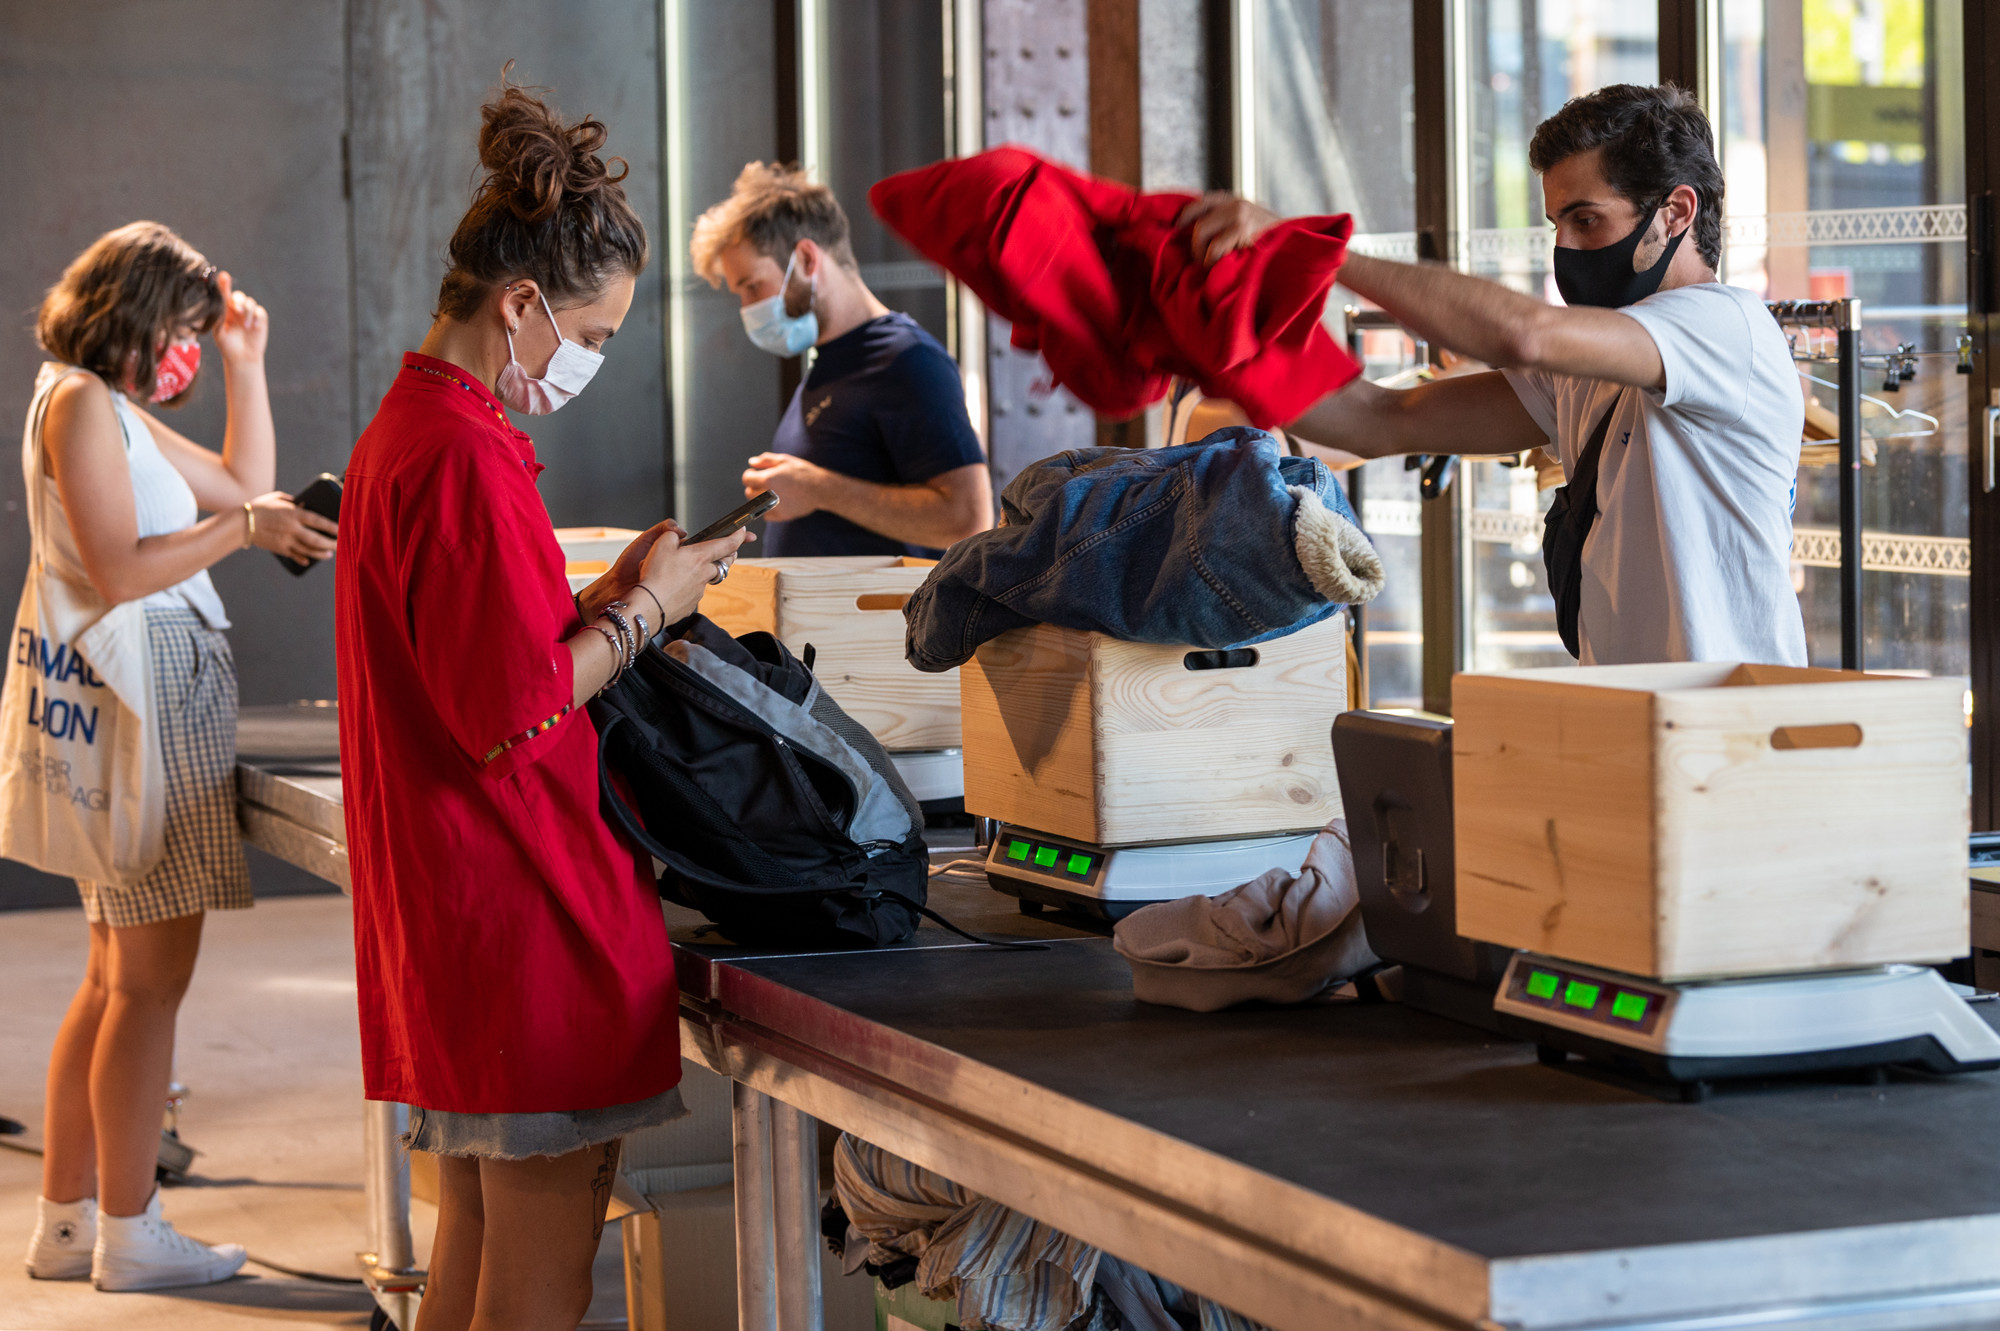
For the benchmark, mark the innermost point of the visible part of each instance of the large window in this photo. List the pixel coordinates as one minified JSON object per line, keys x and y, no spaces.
{"x":1333,"y":105}
{"x":1527,"y":58}
{"x":1842,"y":126}
{"x":1845,"y":158}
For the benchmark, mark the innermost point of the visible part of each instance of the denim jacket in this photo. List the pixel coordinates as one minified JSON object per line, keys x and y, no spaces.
{"x":1213,"y":544}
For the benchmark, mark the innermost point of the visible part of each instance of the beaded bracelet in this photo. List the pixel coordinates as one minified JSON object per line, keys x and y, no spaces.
{"x":638,"y":635}
{"x":624,"y":625}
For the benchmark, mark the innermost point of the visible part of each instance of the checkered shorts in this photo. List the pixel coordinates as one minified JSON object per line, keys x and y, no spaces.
{"x":194,"y":688}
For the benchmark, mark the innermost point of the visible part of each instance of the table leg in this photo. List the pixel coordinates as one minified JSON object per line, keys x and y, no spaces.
{"x":388,"y":1268}
{"x":756,"y":1255}
{"x":795,"y":1217}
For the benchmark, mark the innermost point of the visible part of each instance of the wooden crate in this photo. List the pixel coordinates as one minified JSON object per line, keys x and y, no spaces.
{"x":1121,"y":743}
{"x":1692,"y":820}
{"x":588,"y":551}
{"x":850,"y":608}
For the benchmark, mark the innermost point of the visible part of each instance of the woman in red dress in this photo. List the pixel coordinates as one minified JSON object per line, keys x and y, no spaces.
{"x":516,"y":987}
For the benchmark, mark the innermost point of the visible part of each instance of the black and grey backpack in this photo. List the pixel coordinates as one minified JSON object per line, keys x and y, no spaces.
{"x":775,"y":814}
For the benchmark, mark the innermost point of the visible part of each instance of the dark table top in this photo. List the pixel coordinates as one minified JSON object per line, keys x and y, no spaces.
{"x":1445,"y":1130}
{"x":1442,"y":1129}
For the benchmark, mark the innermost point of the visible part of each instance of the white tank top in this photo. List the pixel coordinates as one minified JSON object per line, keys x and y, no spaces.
{"x":162,"y":502}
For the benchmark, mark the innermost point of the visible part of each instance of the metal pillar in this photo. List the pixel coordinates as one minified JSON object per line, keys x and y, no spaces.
{"x":756,"y":1249}
{"x":1848,"y":329}
{"x":388,"y":1268}
{"x":795,"y":1217}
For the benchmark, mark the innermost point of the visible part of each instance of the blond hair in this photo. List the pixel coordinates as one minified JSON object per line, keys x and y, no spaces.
{"x":773,"y":208}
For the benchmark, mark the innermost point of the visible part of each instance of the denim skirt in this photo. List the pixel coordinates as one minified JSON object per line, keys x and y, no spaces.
{"x":521,"y":1136}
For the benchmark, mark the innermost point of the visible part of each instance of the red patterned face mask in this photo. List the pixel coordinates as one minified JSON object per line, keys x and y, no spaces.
{"x":178,"y":365}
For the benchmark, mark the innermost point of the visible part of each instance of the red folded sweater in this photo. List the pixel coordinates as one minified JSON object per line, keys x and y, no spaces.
{"x":1097,"y":278}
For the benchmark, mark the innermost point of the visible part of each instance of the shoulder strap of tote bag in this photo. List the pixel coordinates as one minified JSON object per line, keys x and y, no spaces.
{"x":38,"y":414}
{"x":1567,"y":527}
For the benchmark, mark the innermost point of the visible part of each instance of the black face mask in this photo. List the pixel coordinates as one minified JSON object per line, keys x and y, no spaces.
{"x":1604,"y":277}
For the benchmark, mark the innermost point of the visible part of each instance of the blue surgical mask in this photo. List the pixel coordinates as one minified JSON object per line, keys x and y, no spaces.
{"x":773,"y":330}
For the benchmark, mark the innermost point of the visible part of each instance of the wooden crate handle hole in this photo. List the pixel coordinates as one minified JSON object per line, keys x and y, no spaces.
{"x":1843,"y":736}
{"x":882,"y":601}
{"x":1238,"y":658}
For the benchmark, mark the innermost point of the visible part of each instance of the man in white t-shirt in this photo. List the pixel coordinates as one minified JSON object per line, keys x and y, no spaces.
{"x":1689,"y":558}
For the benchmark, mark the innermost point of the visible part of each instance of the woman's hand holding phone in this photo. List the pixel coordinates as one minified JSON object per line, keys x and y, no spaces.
{"x":285,"y":529}
{"x":677,"y":574}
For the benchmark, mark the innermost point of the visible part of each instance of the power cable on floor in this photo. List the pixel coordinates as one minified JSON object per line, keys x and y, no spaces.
{"x":319,"y":1276}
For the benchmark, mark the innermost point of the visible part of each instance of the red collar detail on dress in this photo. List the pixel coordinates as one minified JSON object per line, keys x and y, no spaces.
{"x":462,"y":387}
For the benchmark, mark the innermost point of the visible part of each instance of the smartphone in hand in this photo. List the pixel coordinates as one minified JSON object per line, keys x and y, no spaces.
{"x":321,"y":497}
{"x":739,"y":517}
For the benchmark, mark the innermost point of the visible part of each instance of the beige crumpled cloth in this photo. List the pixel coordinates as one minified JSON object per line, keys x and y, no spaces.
{"x":1279,"y":938}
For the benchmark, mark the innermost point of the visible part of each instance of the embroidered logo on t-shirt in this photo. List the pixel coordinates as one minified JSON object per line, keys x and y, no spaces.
{"x":813,"y":415}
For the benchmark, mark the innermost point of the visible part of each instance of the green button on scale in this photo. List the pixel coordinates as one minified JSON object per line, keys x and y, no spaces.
{"x":1629,"y":1007}
{"x":1578,"y":994}
{"x":1542,"y":984}
{"x":1017,"y":850}
{"x":1078,"y":864}
{"x":1045,"y":856}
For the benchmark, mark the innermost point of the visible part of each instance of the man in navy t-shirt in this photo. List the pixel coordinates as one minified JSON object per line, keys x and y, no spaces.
{"x":875,"y":454}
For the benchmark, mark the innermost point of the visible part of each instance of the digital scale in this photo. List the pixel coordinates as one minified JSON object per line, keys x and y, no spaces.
{"x":935,"y":776}
{"x":1112,"y":883}
{"x":1395,"y":780}
{"x":1698,"y":1032}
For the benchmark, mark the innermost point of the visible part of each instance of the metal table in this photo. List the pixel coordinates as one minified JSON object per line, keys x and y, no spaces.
{"x":1330,"y":1166}
{"x":1370,"y":1165}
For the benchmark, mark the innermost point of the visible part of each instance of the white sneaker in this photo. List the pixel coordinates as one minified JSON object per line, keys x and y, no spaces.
{"x":65,"y":1233}
{"x":145,"y":1252}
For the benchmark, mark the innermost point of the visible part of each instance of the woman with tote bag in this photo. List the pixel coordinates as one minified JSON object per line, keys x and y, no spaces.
{"x":119,"y":712}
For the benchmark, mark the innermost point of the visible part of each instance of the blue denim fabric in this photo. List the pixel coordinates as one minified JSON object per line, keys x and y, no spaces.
{"x":1193,"y":545}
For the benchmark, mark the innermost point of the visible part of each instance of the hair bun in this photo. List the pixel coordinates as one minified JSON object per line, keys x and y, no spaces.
{"x":533,"y":159}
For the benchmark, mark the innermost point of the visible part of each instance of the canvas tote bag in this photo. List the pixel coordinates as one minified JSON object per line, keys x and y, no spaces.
{"x":82,"y":780}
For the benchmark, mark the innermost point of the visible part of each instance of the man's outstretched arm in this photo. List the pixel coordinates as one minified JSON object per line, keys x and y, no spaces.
{"x":1482,"y":319}
{"x":1473,"y":414}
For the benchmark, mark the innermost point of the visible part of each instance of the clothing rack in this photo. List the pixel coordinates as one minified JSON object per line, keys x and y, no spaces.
{"x":1844,"y":318}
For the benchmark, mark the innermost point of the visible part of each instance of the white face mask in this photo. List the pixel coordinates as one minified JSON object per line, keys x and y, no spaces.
{"x":569,"y":370}
{"x":775,"y":331}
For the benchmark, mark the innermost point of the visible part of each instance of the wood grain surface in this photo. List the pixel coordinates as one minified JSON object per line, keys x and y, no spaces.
{"x":1120,"y":743}
{"x":1690,"y":821}
{"x":850,"y":609}
{"x":1552,"y":807}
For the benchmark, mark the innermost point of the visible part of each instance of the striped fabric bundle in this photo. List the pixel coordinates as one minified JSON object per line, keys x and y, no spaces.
{"x":1006,"y":1271}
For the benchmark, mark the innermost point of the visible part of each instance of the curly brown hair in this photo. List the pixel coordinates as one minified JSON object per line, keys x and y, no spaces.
{"x":549,"y":208}
{"x":1655,"y":140}
{"x":120,"y":300}
{"x":773,"y":207}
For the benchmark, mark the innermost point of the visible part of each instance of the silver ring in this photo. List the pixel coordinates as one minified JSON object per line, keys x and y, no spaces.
{"x":721,"y":572}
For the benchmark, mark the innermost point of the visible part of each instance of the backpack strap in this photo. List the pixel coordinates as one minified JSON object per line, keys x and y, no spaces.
{"x":1567,"y":526}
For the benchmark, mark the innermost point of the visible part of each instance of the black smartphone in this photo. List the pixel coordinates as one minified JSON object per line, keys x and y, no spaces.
{"x":741,"y":517}
{"x":321,"y":497}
